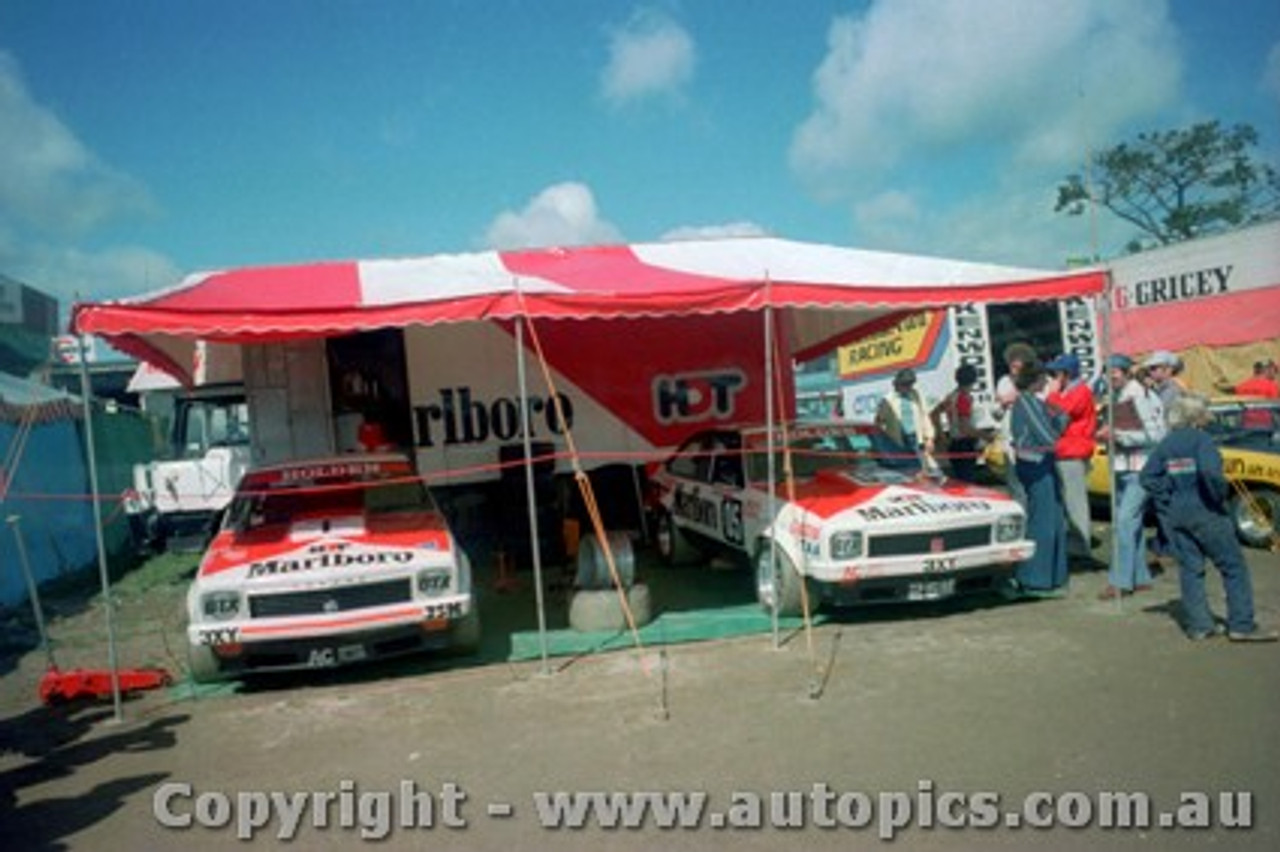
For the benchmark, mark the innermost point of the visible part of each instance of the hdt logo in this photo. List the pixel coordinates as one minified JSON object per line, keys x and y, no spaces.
{"x":694,"y":397}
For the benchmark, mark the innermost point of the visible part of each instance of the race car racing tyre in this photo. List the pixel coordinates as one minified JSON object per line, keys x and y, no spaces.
{"x":598,"y":611}
{"x":202,"y":664}
{"x":673,"y":545}
{"x":464,"y":635}
{"x":1256,"y":518}
{"x":593,"y":569}
{"x":777,"y":575}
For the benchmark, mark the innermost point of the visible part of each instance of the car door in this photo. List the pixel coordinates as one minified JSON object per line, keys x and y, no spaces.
{"x":692,"y":505}
{"x":727,"y":484}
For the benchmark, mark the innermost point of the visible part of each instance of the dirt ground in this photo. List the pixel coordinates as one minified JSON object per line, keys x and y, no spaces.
{"x":910,"y":706}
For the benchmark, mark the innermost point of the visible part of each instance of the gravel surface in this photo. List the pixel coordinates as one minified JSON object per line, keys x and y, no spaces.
{"x":884,"y":712}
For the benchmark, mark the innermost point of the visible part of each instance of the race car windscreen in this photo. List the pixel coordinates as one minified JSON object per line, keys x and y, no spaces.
{"x":281,"y":507}
{"x":868,"y":452}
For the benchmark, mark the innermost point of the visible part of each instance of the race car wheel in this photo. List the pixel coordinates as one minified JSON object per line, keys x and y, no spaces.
{"x":464,"y":638}
{"x":777,"y":578}
{"x":600,"y":610}
{"x":202,"y":664}
{"x":673,"y":545}
{"x":1256,"y":517}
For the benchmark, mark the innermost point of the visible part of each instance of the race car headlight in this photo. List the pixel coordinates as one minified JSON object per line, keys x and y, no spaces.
{"x":1009,"y":528}
{"x":434,"y":582}
{"x":846,"y":545}
{"x":220,"y":605}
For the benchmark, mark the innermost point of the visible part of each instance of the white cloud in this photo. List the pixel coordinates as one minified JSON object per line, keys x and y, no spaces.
{"x":69,"y":273}
{"x":1271,"y":73}
{"x":49,"y":181}
{"x":54,"y":190}
{"x":650,"y":56}
{"x":914,"y":78}
{"x":714,"y":232}
{"x":892,"y":206}
{"x":561,"y":215}
{"x":109,"y":273}
{"x":1013,"y":225}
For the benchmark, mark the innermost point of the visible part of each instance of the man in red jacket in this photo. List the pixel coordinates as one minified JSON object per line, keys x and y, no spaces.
{"x":1074,"y":450}
{"x":1262,"y":383}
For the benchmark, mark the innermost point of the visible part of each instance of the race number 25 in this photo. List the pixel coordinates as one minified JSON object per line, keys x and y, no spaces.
{"x":731,"y":521}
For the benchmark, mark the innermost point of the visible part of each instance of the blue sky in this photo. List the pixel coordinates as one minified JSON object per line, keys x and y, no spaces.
{"x":141,"y":140}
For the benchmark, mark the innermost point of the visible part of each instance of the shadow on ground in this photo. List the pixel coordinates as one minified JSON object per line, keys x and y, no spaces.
{"x":58,"y":742}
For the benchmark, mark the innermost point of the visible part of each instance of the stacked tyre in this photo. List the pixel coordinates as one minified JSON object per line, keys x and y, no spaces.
{"x":597,"y":604}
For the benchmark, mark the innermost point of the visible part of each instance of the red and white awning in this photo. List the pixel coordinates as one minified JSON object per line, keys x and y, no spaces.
{"x":827,"y":289}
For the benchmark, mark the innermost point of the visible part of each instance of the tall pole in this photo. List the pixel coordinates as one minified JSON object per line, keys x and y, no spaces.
{"x":769,"y":455}
{"x":103,"y":575}
{"x":531,"y":496}
{"x":1105,"y":351}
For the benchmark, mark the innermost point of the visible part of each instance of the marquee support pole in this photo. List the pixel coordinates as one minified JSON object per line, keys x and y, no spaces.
{"x":531,"y":496}
{"x":86,"y":399}
{"x":771,"y":474}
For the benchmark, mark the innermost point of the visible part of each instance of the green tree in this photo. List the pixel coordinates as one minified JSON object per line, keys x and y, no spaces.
{"x":1179,"y":184}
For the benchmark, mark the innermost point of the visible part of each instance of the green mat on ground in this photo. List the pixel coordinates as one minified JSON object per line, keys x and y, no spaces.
{"x":669,"y":628}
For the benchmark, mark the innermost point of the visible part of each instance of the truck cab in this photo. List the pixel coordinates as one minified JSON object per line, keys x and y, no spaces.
{"x":178,"y":498}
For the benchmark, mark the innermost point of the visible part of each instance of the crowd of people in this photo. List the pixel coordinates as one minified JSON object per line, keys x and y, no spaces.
{"x":1164,"y":461}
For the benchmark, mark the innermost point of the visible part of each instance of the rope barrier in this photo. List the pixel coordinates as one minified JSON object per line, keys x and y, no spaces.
{"x":438,"y":478}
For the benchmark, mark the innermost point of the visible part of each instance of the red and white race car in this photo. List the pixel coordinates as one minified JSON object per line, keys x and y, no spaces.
{"x":863,"y":523}
{"x":325,"y":562}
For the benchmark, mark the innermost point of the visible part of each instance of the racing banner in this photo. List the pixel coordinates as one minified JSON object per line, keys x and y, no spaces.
{"x":1214,"y":291}
{"x":627,"y":390}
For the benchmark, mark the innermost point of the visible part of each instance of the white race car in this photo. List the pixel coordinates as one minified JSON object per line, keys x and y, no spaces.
{"x":326,"y":562}
{"x":862,"y":523}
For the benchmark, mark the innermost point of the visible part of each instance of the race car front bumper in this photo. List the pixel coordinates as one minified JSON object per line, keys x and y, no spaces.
{"x":332,"y":640}
{"x":918,"y":577}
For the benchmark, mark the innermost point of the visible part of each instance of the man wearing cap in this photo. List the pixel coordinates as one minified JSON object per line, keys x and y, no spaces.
{"x":1161,"y":366}
{"x":1072,"y":395}
{"x":902,"y":415}
{"x":1137,"y":424}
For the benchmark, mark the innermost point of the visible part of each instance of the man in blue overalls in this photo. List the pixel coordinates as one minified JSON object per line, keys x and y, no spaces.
{"x":1185,"y":479}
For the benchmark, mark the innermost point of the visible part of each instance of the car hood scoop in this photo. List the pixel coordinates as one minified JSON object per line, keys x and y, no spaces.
{"x":309,"y":528}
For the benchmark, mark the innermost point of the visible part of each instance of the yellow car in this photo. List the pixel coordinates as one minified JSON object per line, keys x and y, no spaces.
{"x":1247,"y":431}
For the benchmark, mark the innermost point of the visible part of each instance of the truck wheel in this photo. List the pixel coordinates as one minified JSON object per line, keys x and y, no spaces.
{"x":600,"y":610}
{"x":156,"y":534}
{"x":1256,"y":518}
{"x":673,"y":545}
{"x":778,"y":579}
{"x":203,"y":664}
